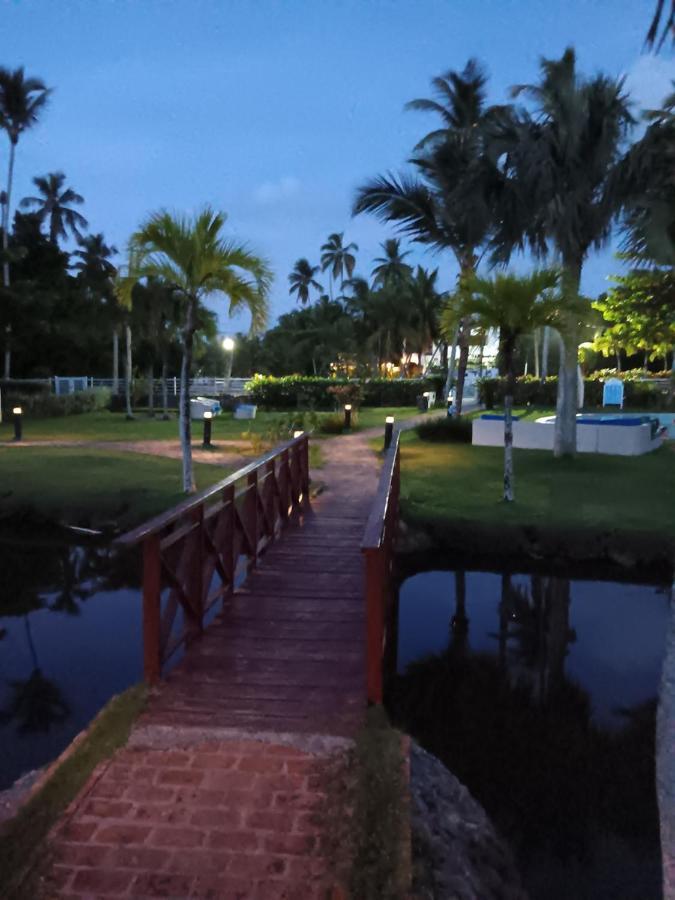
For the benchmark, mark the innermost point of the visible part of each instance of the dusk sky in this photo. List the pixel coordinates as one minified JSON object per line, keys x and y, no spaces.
{"x":276,"y":111}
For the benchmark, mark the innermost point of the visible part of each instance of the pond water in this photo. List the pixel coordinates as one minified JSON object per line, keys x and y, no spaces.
{"x":70,"y":638}
{"x":539,"y":693}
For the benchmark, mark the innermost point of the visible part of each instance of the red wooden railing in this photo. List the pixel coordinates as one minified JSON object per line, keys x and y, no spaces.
{"x":194,"y":554}
{"x":378,"y":550}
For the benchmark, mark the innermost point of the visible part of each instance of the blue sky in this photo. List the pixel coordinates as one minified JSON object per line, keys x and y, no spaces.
{"x":276,"y":110}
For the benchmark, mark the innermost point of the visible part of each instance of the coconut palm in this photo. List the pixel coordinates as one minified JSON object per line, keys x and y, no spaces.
{"x":21,"y":102}
{"x":560,"y":192}
{"x":425,"y":302}
{"x":338,"y":259}
{"x":449,"y":203}
{"x":391,"y":268}
{"x":52,"y":206}
{"x":191,"y":256}
{"x":515,"y":306}
{"x":302,"y":279}
{"x":655,"y":24}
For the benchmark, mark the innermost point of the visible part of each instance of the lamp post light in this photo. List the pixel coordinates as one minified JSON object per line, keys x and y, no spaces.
{"x":388,"y":431}
{"x":228,"y":347}
{"x":17,"y":414}
{"x":348,"y":416}
{"x":206,"y":443}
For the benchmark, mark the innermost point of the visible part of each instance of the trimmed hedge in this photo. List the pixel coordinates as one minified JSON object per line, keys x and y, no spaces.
{"x":298,"y":392}
{"x":448,"y":430}
{"x":529,"y":389}
{"x":45,"y":405}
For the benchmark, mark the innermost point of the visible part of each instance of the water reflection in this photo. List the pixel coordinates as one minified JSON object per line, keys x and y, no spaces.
{"x":539,"y":693}
{"x":69,"y":639}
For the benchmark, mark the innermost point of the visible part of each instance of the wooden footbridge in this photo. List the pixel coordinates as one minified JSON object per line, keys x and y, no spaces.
{"x":264,"y":634}
{"x":264,"y":611}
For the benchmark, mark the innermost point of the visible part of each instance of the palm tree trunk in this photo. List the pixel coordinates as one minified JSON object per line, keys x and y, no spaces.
{"x":165,"y":392}
{"x":461,"y":367}
{"x":5,"y":247}
{"x":566,"y":418}
{"x":116,"y":362}
{"x":665,"y":758}
{"x":451,"y":363}
{"x":508,"y":348}
{"x":185,"y":423}
{"x":618,"y":361}
{"x":545,"y":346}
{"x":537,"y":367}
{"x":127,"y":372}
{"x":151,"y":391}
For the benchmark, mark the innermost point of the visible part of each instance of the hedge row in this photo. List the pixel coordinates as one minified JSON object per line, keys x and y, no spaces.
{"x":299,"y":392}
{"x":637,"y":394}
{"x":43,"y":404}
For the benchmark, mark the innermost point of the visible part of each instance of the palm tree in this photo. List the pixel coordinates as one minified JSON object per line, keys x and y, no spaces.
{"x":302,"y":279}
{"x":516,"y":306}
{"x":97,"y":273}
{"x":668,"y":27}
{"x":450,"y":202}
{"x":424,"y":310}
{"x":21,"y":101}
{"x":338,"y":259}
{"x":391,"y":268}
{"x":191,"y":256}
{"x":52,"y":206}
{"x":560,"y":191}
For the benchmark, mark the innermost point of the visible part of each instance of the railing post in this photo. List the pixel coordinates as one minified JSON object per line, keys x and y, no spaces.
{"x":252,"y":513}
{"x":197,"y":579}
{"x":375,"y":593}
{"x":228,"y":550}
{"x":152,"y":587}
{"x":304,"y":469}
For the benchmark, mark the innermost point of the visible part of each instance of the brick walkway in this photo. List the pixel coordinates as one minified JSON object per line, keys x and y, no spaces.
{"x":234,"y":819}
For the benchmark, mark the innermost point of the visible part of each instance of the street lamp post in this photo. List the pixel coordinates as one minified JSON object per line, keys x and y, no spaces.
{"x":228,"y":347}
{"x":206,"y":441}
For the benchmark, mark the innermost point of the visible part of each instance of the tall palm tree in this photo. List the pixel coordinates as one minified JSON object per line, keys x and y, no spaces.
{"x":191,"y":256}
{"x":302,"y":279}
{"x":516,"y":306}
{"x":655,"y":24}
{"x":97,"y":273}
{"x":338,"y":259}
{"x":52,"y":206}
{"x":425,"y":302}
{"x":449,"y":202}
{"x":21,"y":102}
{"x":391,"y":268}
{"x":561,"y":193}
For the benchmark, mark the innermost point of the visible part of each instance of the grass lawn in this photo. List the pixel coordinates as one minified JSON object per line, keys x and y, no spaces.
{"x":107,"y":426}
{"x":93,"y":487}
{"x":460,"y":481}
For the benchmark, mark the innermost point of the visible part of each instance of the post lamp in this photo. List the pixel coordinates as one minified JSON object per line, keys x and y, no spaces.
{"x":297,"y":434}
{"x":228,"y":347}
{"x":388,"y":431}
{"x":17,"y":414}
{"x":208,"y":415}
{"x":348,"y":416}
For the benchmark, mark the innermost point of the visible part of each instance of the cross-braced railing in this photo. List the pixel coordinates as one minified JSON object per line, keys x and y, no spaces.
{"x":197,"y":553}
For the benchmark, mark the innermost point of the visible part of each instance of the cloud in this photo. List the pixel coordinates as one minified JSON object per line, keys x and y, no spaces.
{"x":274,"y":191}
{"x":649,"y":80}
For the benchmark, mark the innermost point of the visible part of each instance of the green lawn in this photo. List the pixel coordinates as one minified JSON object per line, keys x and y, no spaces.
{"x":93,"y":488}
{"x":107,"y":426}
{"x":459,"y":481}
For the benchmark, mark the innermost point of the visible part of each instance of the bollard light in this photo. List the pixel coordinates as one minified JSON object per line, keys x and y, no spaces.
{"x":388,"y":431}
{"x":297,"y":434}
{"x":17,"y":414}
{"x":208,"y":415}
{"x":348,"y":416}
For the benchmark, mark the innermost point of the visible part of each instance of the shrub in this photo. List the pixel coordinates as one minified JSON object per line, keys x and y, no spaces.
{"x":45,"y":405}
{"x":297,"y":391}
{"x":347,"y":393}
{"x":531,"y":390}
{"x":335,"y":423}
{"x":452,"y":430}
